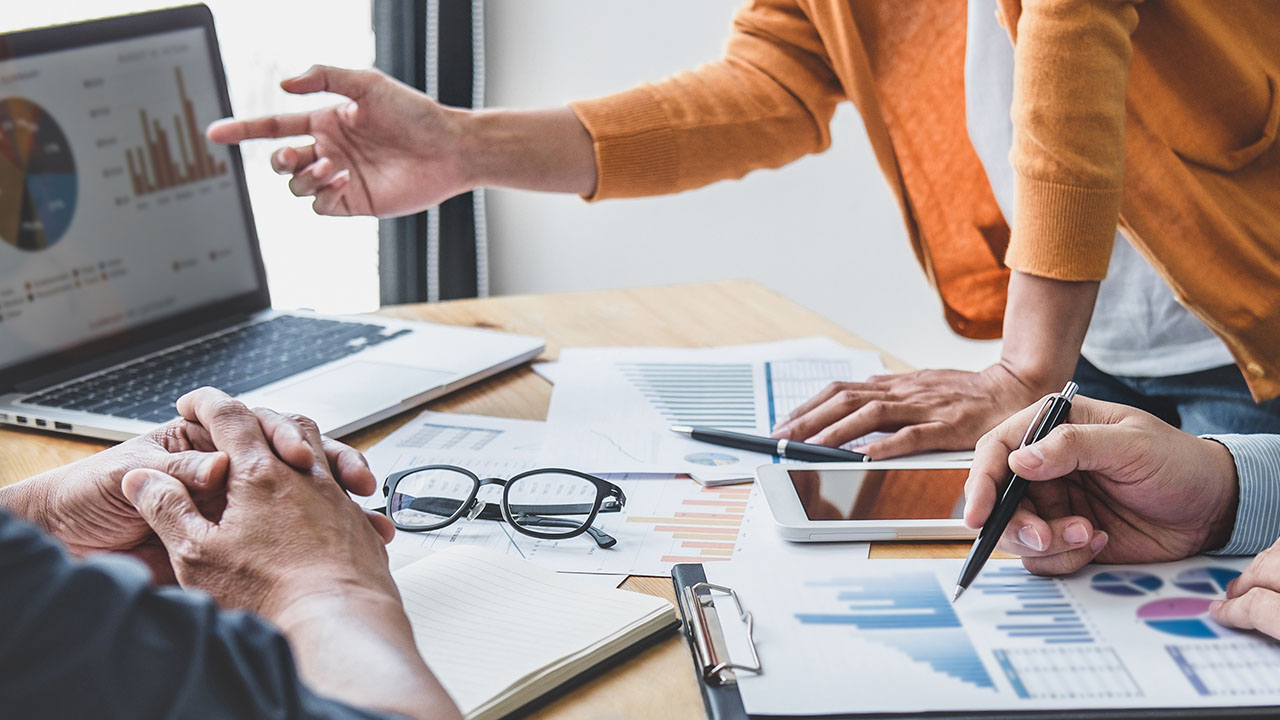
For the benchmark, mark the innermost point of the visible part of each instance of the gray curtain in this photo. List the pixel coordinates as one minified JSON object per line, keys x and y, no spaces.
{"x":436,"y":46}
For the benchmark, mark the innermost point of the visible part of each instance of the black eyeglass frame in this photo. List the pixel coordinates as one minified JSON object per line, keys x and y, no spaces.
{"x":605,"y":490}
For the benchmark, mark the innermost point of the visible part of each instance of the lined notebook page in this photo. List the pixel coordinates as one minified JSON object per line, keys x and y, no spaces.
{"x":485,"y":622}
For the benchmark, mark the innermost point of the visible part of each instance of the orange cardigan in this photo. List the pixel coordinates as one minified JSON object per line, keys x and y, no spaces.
{"x":1159,"y":117}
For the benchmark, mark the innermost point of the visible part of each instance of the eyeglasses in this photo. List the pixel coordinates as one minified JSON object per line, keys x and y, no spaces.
{"x":549,"y":503}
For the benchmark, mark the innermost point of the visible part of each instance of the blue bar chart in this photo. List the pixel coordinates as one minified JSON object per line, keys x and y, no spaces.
{"x":1039,"y":609}
{"x":719,"y":395}
{"x":908,"y":612}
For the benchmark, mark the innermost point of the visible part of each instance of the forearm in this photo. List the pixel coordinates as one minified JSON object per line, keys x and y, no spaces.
{"x":358,"y":648}
{"x":547,"y":150}
{"x":1044,"y":326}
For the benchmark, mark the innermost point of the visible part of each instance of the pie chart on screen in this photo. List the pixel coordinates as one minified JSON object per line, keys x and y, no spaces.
{"x":1206,"y":580}
{"x":37,"y":177}
{"x":1184,"y":617}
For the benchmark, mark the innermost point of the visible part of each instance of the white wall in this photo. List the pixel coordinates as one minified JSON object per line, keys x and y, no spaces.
{"x":824,"y":231}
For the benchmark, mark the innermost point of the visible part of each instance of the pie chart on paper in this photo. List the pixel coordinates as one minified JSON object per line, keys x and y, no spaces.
{"x":1184,"y":617}
{"x":1128,"y":583}
{"x":37,"y":177}
{"x":1206,"y":580}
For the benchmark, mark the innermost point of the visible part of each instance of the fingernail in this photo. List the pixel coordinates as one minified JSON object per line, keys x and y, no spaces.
{"x":1032,"y":457}
{"x":1028,"y":537}
{"x":1231,"y":586}
{"x":1215,"y":606}
{"x":1098,"y":542}
{"x":1076,"y":534}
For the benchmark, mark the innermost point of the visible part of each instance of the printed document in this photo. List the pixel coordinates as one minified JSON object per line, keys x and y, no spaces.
{"x":612,"y":408}
{"x":884,"y":637}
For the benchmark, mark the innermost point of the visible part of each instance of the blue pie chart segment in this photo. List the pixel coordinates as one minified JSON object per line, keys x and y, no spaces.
{"x":38,"y":189}
{"x":1128,"y":583}
{"x":1206,"y":580}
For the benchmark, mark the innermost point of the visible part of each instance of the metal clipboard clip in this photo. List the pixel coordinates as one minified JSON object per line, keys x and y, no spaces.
{"x":708,"y":638}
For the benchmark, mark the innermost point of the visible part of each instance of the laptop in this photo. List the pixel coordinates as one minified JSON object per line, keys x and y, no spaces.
{"x":130,"y":270}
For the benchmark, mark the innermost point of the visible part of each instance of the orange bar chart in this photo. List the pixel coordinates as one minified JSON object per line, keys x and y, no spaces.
{"x":706,"y":526}
{"x":155,"y":166}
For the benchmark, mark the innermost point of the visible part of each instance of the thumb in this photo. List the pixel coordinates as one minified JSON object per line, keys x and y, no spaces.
{"x":164,"y":503}
{"x":324,"y":78}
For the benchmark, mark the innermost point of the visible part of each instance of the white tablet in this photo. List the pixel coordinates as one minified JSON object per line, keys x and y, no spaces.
{"x":885,"y":500}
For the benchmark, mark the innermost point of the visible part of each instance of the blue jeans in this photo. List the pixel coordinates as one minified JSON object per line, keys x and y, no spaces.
{"x":1206,"y":402}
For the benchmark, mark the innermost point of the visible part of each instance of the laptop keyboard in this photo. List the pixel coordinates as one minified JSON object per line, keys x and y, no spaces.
{"x":235,"y":362}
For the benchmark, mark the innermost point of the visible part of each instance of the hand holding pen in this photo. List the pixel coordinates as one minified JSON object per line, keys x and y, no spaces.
{"x":1052,"y":413}
{"x":1115,"y":485}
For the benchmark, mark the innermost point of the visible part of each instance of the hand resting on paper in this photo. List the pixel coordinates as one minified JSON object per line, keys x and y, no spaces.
{"x":1113,"y":484}
{"x":925,"y":410}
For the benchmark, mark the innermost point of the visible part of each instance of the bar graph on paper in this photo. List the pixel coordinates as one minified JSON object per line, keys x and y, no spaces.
{"x":704,"y":526}
{"x":725,"y":396}
{"x":720,"y":395}
{"x":907,"y":612}
{"x":1049,"y":651}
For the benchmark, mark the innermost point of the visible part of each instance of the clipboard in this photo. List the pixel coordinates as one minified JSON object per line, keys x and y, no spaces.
{"x":718,"y":674}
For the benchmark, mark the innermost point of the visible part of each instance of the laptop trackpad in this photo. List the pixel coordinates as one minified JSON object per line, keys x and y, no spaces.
{"x":352,"y":391}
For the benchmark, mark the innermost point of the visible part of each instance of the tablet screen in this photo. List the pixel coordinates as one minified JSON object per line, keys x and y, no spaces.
{"x":891,"y":494}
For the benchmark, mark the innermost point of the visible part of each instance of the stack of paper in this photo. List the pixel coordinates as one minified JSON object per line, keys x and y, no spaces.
{"x":611,"y":410}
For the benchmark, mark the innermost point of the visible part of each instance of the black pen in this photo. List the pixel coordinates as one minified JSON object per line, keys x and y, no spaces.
{"x":790,"y":450}
{"x":1050,"y":415}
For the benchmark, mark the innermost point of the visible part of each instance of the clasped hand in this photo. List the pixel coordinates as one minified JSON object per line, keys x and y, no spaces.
{"x":84,"y":506}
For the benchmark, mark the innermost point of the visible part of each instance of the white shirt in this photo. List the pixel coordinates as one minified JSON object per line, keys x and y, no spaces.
{"x":1138,"y":328}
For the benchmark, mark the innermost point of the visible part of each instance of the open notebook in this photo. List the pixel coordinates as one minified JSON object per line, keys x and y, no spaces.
{"x":500,"y":632}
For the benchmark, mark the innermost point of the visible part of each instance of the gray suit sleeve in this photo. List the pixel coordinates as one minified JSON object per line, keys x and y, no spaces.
{"x":97,"y":639}
{"x":1257,"y":459}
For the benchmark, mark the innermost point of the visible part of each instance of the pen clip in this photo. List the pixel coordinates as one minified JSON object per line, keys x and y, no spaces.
{"x":1041,"y":415}
{"x":1067,"y":394}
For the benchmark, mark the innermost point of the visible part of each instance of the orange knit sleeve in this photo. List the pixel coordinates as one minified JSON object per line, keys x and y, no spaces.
{"x":768,"y":101}
{"x":1071,"y":70}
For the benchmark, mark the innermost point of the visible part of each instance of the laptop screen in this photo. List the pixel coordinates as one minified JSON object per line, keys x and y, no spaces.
{"x":115,"y":212}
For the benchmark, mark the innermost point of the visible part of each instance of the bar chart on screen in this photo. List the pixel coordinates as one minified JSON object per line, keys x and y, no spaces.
{"x":167,"y":161}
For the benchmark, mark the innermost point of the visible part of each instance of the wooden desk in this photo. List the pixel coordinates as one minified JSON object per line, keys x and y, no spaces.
{"x":659,"y":681}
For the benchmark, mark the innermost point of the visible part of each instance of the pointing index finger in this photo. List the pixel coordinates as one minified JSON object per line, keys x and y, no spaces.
{"x":231,"y":130}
